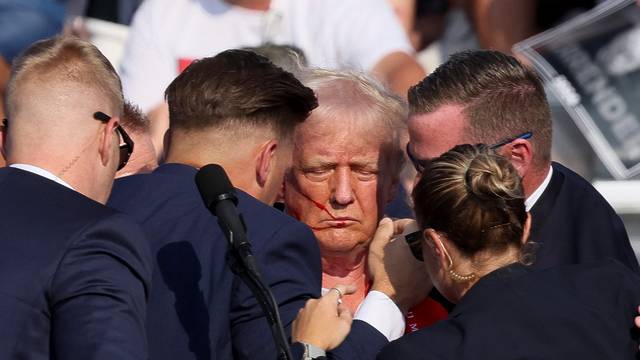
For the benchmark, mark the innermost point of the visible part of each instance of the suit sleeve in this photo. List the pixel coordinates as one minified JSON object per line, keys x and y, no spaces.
{"x":98,"y":294}
{"x":290,"y":264}
{"x":364,"y":342}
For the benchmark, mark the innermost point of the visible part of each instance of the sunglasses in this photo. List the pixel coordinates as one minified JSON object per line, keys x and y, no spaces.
{"x":126,"y":147}
{"x":421,"y":164}
{"x":414,"y":240}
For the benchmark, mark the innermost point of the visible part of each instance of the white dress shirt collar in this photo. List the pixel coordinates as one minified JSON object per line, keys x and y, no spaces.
{"x":535,"y":196}
{"x":42,"y":172}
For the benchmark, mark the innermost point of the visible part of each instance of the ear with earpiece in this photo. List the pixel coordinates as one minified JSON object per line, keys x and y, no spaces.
{"x":520,"y":153}
{"x":106,"y":138}
{"x":436,"y":247}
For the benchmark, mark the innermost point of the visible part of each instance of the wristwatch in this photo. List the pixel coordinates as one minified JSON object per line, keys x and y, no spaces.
{"x":312,"y":352}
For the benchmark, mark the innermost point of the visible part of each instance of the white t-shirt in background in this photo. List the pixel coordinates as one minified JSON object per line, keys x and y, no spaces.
{"x":337,"y":34}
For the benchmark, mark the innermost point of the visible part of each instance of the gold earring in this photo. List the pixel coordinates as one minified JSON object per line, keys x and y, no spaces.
{"x":460,"y":278}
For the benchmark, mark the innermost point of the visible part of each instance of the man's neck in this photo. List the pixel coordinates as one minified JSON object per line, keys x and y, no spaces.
{"x":344,"y":265}
{"x":236,"y":169}
{"x":535,"y":178}
{"x":348,"y":270}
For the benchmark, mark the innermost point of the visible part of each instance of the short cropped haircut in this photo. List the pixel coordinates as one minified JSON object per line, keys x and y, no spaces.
{"x":359,"y":93}
{"x":65,"y":59}
{"x":238,"y":89}
{"x":501,"y":98}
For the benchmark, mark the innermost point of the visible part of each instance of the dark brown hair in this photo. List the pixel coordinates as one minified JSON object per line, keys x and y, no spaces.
{"x":475,"y":197}
{"x":238,"y":88}
{"x":501,"y":98}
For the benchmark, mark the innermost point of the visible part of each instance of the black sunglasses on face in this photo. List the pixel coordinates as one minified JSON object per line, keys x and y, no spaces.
{"x":414,"y":240}
{"x":418,"y":164}
{"x":126,"y":148}
{"x":523,"y":136}
{"x":421,"y":164}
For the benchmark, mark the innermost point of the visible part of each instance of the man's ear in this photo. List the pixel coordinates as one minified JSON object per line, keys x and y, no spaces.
{"x":106,"y":138}
{"x":520,"y":153}
{"x":265,"y":161}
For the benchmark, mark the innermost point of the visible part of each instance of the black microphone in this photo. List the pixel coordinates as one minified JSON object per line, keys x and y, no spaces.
{"x":220,"y":198}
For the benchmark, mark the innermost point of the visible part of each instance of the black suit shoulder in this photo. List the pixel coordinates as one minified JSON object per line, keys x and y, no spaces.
{"x":37,"y":208}
{"x":73,"y":261}
{"x":581,"y":190}
{"x":37,"y":195}
{"x":580,"y":311}
{"x":197,"y":307}
{"x":573,"y":224}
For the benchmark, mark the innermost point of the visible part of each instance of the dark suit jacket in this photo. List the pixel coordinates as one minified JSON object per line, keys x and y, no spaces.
{"x":197,"y":308}
{"x":572,"y":223}
{"x":581,"y":311}
{"x":73,"y":274}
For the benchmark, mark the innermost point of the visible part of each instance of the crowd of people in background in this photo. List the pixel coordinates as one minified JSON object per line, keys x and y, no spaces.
{"x":395,"y":210}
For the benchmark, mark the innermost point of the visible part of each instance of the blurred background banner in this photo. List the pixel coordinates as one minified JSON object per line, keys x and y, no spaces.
{"x":592,"y":65}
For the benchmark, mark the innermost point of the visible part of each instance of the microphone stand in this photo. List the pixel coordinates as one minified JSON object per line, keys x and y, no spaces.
{"x":243,"y":264}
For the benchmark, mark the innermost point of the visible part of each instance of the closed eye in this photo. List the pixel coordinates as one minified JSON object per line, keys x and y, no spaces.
{"x":318,"y":173}
{"x":365,"y":173}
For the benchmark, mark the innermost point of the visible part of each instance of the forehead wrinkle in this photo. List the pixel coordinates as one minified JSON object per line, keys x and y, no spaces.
{"x":341,"y":133}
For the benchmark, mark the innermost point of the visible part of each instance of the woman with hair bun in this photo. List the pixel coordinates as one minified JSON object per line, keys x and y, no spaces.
{"x":469,"y":204}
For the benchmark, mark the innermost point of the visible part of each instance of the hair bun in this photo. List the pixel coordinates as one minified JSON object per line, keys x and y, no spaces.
{"x":491,"y":179}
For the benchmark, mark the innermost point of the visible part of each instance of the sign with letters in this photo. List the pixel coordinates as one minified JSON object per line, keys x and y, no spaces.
{"x":592,"y":64}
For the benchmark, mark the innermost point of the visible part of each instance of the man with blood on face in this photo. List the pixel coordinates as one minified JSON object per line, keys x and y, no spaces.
{"x":346,"y":162}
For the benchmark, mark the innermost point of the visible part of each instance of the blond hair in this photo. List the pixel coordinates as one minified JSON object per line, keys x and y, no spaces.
{"x":475,"y":197}
{"x":340,"y":92}
{"x":65,"y":59}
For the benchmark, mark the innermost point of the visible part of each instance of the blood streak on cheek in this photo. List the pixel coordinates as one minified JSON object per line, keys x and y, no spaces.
{"x":324,"y":208}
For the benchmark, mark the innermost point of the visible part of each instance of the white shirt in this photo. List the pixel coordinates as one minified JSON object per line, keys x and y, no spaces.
{"x":533,"y":198}
{"x":42,"y":172}
{"x":379,"y":311}
{"x":336,"y":34}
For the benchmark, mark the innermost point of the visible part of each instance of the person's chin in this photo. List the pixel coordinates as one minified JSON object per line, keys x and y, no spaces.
{"x":338,"y":241}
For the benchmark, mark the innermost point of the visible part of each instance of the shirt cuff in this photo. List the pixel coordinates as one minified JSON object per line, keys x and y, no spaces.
{"x":379,"y":311}
{"x":312,"y":352}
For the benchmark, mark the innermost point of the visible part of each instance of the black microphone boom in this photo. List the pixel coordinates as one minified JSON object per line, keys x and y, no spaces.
{"x":220,"y":198}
